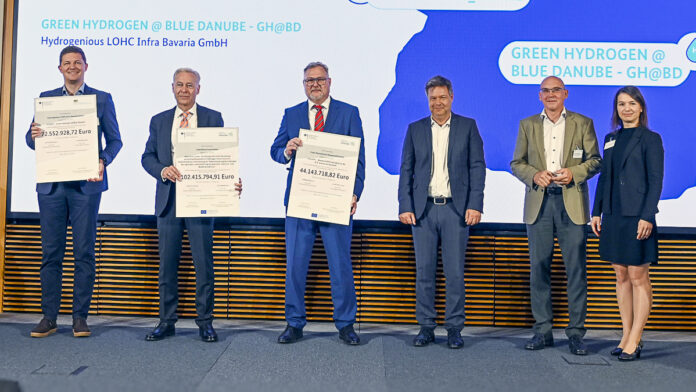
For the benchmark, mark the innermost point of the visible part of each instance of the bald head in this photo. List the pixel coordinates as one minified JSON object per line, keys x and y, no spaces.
{"x":555,"y":78}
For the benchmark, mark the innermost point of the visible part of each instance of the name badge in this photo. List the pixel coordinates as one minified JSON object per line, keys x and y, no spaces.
{"x":609,"y":144}
{"x":577,"y":154}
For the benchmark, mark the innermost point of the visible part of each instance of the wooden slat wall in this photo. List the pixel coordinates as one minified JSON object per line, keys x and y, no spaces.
{"x":250,"y":275}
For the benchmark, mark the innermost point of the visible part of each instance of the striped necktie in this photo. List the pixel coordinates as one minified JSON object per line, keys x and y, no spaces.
{"x":318,"y":119}
{"x":184,"y":119}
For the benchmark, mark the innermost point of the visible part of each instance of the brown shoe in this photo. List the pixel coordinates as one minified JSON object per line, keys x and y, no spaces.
{"x":44,"y":328}
{"x":80,"y":328}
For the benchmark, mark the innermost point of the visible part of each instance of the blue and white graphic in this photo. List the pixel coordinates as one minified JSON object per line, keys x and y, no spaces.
{"x":380,"y":54}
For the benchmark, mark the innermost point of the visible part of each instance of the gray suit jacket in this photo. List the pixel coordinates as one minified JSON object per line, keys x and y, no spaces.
{"x":530,"y":157}
{"x":465,"y":164}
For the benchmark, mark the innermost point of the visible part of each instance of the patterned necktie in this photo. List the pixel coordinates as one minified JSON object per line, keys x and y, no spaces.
{"x":184,"y":119}
{"x":318,"y":119}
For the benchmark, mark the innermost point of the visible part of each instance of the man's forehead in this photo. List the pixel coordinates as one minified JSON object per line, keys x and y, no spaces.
{"x":185,"y":77}
{"x":316,"y":71}
{"x":438,"y":91}
{"x":552,"y":82}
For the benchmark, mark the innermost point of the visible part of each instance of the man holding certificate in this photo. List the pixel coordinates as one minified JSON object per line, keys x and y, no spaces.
{"x":77,"y":199}
{"x":320,"y":113}
{"x":158,"y":161}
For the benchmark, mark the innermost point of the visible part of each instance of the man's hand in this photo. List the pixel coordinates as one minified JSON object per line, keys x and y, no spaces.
{"x":101,"y":172}
{"x":292,"y":146}
{"x":408,"y":218}
{"x":543,"y":178}
{"x":563,"y":177}
{"x":353,"y":204}
{"x":171,"y":173}
{"x":644,"y":229}
{"x":238,"y":187}
{"x":596,"y":225}
{"x":36,"y":131}
{"x":472,"y":217}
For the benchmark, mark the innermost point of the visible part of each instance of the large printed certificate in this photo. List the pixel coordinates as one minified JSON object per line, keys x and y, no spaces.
{"x":68,"y":150}
{"x":324,"y":177}
{"x":208,"y":160}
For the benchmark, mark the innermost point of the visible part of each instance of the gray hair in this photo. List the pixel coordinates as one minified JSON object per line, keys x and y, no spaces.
{"x":315,"y":64}
{"x":438,"y":81}
{"x":189,"y":70}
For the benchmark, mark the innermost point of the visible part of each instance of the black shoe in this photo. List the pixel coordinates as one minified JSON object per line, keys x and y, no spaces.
{"x":425,"y":336}
{"x":454,"y":338}
{"x":577,"y":346}
{"x":290,"y":335}
{"x":539,"y":341}
{"x":624,"y":356}
{"x":161,"y":331}
{"x":80,"y":328}
{"x":348,"y":335}
{"x":207,"y":333}
{"x":618,"y":350}
{"x":44,"y":328}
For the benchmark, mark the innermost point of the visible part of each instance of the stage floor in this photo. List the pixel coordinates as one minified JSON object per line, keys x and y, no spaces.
{"x":247,"y":358}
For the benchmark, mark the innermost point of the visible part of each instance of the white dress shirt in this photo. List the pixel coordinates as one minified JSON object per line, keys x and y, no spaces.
{"x":439,"y":174}
{"x":313,"y":112}
{"x":178,"y":116}
{"x":554,"y":136}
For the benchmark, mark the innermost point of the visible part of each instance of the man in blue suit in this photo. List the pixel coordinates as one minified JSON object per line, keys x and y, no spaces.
{"x":440,"y":195}
{"x":323,"y":114}
{"x":158,"y":162}
{"x":77,"y":201}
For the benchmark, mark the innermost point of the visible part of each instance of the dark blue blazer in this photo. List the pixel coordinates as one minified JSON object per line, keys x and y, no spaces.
{"x":640,"y":176}
{"x":465,"y":163}
{"x":343,"y":119}
{"x":108,"y":127}
{"x":158,"y":149}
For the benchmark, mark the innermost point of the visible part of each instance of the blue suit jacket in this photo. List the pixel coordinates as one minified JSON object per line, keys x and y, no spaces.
{"x":343,"y":119}
{"x":640,"y":176}
{"x":465,"y":164}
{"x":158,"y":149}
{"x":108,"y":127}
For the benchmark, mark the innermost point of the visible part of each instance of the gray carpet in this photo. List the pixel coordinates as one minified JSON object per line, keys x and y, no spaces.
{"x":116,"y":358}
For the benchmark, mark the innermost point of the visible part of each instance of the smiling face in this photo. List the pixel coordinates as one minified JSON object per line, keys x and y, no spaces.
{"x":440,"y":103}
{"x":73,"y":68}
{"x":629,"y":110}
{"x":185,"y":88}
{"x":317,"y":84}
{"x":552,"y":93}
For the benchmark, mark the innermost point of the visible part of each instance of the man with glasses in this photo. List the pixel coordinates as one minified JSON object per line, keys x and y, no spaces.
{"x":556,"y":153}
{"x":320,"y":113}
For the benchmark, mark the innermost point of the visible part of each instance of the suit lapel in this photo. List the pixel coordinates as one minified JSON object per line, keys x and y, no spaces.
{"x":166,"y":134}
{"x":330,"y":119}
{"x":538,"y":129}
{"x":427,"y":140}
{"x":570,"y":128}
{"x":632,"y":143}
{"x":452,"y":139}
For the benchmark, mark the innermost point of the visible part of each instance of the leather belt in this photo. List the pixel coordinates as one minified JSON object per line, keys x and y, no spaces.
{"x":554,"y":190}
{"x":440,"y":201}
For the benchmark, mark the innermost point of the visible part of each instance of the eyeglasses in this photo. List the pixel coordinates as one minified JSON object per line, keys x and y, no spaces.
{"x":320,"y":81}
{"x":551,"y":90}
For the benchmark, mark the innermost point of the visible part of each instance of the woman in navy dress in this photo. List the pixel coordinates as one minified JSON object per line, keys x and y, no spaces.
{"x":623,"y":216}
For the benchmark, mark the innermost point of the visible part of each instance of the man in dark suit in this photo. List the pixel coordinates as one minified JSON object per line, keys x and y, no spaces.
{"x":556,"y":153}
{"x":324,"y":114}
{"x":77,"y":201}
{"x":441,"y":183}
{"x":158,"y":162}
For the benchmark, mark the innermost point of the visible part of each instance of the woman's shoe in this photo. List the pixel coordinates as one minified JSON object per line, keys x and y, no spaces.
{"x":616,"y":351}
{"x":632,"y":356}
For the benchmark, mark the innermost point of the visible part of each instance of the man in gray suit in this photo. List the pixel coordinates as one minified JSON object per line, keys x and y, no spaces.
{"x":440,"y":195}
{"x":556,"y":153}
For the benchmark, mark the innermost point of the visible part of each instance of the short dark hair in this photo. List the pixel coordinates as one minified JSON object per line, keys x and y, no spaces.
{"x":438,"y":81}
{"x":634,"y":93}
{"x":71,"y":49}
{"x":315,"y":64}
